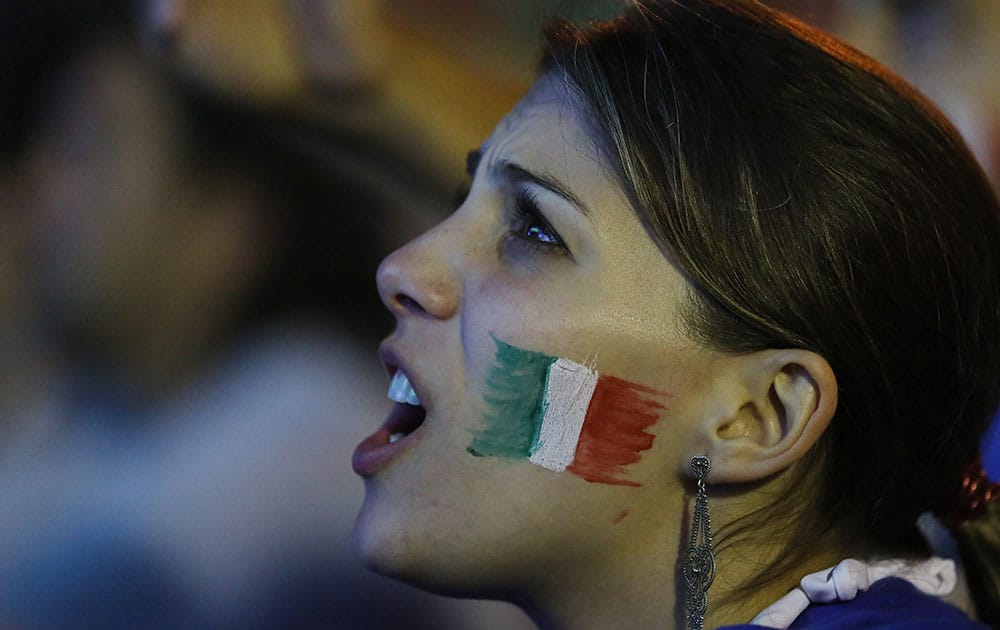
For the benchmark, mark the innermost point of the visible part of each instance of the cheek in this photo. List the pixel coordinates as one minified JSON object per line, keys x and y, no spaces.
{"x":617,"y":430}
{"x":565,"y":416}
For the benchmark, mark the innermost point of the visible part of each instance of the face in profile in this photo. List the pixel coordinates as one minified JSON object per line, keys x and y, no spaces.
{"x":546,"y":388}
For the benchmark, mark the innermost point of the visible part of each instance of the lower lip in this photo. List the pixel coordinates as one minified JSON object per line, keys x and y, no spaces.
{"x":373,"y":453}
{"x":376,"y":450}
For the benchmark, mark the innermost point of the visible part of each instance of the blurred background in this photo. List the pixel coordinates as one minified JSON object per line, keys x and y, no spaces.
{"x":194,"y":196}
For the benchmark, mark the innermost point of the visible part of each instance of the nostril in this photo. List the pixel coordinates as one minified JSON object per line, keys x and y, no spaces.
{"x":406,"y":303}
{"x":415,"y":280}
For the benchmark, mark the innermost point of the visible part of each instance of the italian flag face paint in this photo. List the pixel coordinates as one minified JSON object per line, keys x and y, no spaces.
{"x":562,"y":415}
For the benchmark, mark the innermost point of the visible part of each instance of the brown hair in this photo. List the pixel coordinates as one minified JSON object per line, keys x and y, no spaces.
{"x":814,"y":200}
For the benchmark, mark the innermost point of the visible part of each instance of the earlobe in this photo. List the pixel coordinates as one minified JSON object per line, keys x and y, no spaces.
{"x":789,"y":397}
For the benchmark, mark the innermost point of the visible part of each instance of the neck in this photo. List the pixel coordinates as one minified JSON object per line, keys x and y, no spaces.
{"x":632,"y":587}
{"x":640,"y":584}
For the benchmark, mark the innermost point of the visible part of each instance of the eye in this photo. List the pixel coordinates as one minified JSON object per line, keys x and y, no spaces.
{"x":529,"y":224}
{"x":539,"y":233}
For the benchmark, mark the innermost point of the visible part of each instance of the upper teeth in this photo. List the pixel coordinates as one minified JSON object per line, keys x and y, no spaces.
{"x":401,"y":391}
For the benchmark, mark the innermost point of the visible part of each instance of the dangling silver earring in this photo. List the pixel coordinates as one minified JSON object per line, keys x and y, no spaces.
{"x":699,"y":565}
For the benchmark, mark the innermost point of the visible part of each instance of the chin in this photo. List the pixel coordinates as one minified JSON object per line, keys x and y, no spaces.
{"x":386,"y":545}
{"x":379,"y":541}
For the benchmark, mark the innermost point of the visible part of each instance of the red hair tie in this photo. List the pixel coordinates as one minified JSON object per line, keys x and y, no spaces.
{"x":975,"y":493}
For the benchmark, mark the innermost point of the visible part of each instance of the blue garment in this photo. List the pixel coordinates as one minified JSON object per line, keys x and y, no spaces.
{"x":890,"y":603}
{"x":991,"y":449}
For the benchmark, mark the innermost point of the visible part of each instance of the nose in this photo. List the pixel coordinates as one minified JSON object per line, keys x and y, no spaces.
{"x":418,"y":279}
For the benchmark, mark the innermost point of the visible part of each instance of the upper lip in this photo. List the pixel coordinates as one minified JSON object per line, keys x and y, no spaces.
{"x":393,"y":362}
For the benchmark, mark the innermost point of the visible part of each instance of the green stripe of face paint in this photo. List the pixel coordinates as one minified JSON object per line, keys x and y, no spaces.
{"x":515,"y":399}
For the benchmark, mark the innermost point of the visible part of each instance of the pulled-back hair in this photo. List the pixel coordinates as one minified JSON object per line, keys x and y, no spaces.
{"x":813,"y":200}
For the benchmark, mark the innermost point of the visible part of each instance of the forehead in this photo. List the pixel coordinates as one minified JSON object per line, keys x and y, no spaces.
{"x":546,"y":130}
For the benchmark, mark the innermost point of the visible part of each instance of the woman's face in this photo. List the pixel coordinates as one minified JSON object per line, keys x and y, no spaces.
{"x":544,"y":259}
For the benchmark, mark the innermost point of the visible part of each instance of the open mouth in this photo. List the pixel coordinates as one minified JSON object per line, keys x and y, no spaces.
{"x":408,"y":414}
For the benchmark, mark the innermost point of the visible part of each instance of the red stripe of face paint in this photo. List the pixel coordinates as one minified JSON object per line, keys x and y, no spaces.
{"x":614,"y":430}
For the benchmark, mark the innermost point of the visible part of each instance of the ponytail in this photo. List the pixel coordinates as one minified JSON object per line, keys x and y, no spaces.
{"x":979,"y":544}
{"x":975,"y":525}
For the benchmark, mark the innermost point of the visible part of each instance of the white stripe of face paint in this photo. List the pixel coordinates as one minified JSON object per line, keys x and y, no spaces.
{"x":568,"y":391}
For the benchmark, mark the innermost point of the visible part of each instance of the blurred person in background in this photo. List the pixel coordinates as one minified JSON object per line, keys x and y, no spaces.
{"x":201,"y":271}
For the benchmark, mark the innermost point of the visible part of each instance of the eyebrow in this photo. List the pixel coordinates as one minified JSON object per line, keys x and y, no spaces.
{"x":517,"y":173}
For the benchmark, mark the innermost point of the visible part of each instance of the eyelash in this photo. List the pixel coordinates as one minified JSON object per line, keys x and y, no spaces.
{"x":524,"y":216}
{"x":529,"y":227}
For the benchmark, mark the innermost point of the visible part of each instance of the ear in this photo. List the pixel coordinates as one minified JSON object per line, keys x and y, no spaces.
{"x":775,"y":405}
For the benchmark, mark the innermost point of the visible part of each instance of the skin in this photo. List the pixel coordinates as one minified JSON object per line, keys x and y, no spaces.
{"x":551,"y":542}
